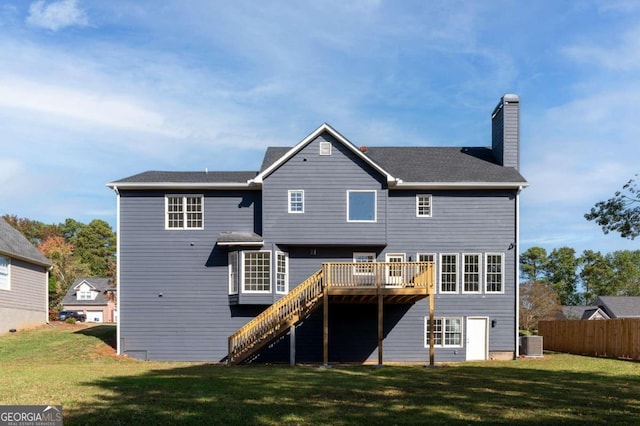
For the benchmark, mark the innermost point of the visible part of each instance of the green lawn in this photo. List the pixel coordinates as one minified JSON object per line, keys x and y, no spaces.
{"x":75,"y":367}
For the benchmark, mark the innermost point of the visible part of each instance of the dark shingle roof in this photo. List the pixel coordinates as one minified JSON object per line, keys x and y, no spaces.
{"x":442,"y":164}
{"x":14,"y":244}
{"x":154,"y":176}
{"x":620,"y":306}
{"x":580,"y":312}
{"x":100,"y":284}
{"x":239,"y":237}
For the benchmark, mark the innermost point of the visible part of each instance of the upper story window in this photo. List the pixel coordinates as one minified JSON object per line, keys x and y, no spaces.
{"x":448,"y":273}
{"x":493,"y":275}
{"x":423,"y":205}
{"x":296,"y":201}
{"x":84,"y":294}
{"x":5,"y":281}
{"x":184,"y":211}
{"x":361,"y":206}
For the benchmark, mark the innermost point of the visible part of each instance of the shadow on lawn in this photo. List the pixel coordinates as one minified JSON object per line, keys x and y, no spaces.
{"x":106,"y":333}
{"x":275,"y":395}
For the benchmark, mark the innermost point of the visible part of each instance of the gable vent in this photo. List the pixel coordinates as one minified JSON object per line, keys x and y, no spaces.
{"x":325,"y":148}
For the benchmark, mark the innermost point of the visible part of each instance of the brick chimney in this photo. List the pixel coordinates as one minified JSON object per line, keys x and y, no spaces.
{"x":505,"y":131}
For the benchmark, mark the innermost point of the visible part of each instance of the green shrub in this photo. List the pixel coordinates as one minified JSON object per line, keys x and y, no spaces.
{"x":525,"y":333}
{"x":70,"y":320}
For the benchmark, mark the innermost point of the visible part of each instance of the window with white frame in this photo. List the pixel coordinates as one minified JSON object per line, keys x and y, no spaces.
{"x":447,"y":332}
{"x":493,"y":275}
{"x":448,"y":273}
{"x":423,"y":205}
{"x":361,"y":206}
{"x":426,"y":257}
{"x":296,"y":201}
{"x":282,"y":269}
{"x":5,"y":278}
{"x":84,"y":293}
{"x":471,"y":273}
{"x":184,"y":211}
{"x":233,"y":272}
{"x":256,"y":272}
{"x":362,"y":259}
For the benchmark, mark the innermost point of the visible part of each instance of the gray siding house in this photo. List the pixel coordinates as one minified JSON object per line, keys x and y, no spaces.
{"x":24,"y":282}
{"x":326,"y":253}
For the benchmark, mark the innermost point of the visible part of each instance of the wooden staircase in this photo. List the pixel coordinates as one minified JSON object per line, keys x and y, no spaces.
{"x":276,"y":319}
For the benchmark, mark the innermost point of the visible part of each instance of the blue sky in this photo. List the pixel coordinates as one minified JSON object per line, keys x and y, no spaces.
{"x":93,"y":91}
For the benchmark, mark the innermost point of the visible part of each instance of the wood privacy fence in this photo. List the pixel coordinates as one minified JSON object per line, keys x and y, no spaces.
{"x":612,"y":338}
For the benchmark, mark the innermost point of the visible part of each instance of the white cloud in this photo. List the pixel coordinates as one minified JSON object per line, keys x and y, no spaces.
{"x":56,"y":15}
{"x":622,"y":54}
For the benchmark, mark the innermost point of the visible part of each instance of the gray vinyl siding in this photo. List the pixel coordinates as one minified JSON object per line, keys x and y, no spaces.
{"x":192,"y":319}
{"x":505,"y":134}
{"x":325,"y":181}
{"x":25,"y":304}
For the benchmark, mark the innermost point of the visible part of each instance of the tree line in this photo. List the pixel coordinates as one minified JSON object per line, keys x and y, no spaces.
{"x":74,"y":248}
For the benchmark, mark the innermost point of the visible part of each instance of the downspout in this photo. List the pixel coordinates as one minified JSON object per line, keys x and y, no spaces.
{"x":517,"y":272}
{"x":46,"y":306}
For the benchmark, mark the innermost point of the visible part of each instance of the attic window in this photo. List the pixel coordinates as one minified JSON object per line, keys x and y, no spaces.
{"x":325,"y":148}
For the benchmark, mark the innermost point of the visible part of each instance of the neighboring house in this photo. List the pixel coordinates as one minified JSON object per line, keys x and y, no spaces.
{"x":326,"y":253}
{"x":619,"y":306}
{"x":95,"y":297}
{"x":582,"y":313}
{"x":24,"y":282}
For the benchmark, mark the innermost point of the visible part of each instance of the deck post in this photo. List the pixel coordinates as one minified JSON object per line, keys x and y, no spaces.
{"x":325,"y":308}
{"x":292,"y":345}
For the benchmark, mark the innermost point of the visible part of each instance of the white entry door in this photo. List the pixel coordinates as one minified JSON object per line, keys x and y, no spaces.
{"x":394,"y":273}
{"x":477,"y":341}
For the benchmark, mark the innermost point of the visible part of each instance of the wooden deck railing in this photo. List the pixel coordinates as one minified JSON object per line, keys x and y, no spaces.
{"x":379,"y":274}
{"x":274,"y":320}
{"x":305,"y":297}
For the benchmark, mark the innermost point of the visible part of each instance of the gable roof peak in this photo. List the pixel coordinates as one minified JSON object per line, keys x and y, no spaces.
{"x":324,"y":127}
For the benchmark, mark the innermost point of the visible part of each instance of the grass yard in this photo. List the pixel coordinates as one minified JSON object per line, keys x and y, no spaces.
{"x":75,"y":366}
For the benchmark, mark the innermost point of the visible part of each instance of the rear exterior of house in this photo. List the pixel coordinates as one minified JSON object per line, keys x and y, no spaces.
{"x":24,"y":286}
{"x":201,"y":255}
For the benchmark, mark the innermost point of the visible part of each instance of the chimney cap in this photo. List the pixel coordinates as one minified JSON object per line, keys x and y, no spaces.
{"x":511,"y":97}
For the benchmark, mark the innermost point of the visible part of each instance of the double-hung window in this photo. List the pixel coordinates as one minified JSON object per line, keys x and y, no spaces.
{"x":447,"y":332}
{"x":5,"y":282}
{"x":494,"y":275}
{"x":233,"y":272}
{"x":256,"y":272}
{"x":361,"y":206}
{"x":471,"y":273}
{"x":282,"y":269}
{"x":423,"y":205}
{"x":184,"y":211}
{"x":448,"y":273}
{"x":84,"y":294}
{"x":296,"y":201}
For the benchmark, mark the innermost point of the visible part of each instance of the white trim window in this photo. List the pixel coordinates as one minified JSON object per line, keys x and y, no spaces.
{"x":233,"y":272}
{"x":449,"y":273}
{"x":282,"y":272}
{"x":426,"y":257}
{"x":84,"y":294}
{"x":184,"y":211}
{"x":471,"y":273}
{"x":5,"y":273}
{"x":494,"y":276}
{"x":447,"y":334}
{"x":256,"y":271}
{"x":296,"y":201}
{"x":423,"y":205}
{"x":362,"y":205}
{"x":363,"y":258}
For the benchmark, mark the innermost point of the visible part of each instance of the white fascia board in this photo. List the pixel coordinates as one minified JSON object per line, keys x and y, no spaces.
{"x":179,"y":185}
{"x":461,"y":185}
{"x":238,"y":243}
{"x":84,"y":282}
{"x":323,"y":128}
{"x":10,"y":255}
